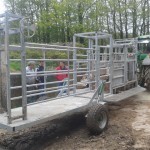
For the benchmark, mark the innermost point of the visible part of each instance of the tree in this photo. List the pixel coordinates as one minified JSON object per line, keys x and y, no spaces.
{"x":57,"y":21}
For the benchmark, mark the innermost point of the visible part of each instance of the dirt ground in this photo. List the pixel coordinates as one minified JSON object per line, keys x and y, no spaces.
{"x":128,"y":129}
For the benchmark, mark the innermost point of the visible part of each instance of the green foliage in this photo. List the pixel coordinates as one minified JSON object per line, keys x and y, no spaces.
{"x":57,"y":21}
{"x":14,"y":55}
{"x":56,"y":55}
{"x":36,"y":54}
{"x":15,"y":66}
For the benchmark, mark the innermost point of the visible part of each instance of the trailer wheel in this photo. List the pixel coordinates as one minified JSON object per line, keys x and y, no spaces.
{"x":97,"y":119}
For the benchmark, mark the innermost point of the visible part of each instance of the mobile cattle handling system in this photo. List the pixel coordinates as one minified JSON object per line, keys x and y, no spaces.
{"x":102,"y":71}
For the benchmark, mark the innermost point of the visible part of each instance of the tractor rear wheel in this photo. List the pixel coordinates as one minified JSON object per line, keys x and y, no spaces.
{"x":147,"y":77}
{"x":140,"y":79}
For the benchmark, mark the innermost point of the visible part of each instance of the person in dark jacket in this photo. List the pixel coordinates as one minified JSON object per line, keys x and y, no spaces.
{"x":40,"y":79}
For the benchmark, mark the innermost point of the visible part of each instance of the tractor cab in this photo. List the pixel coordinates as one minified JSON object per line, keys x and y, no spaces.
{"x":143,"y":46}
{"x":144,"y":61}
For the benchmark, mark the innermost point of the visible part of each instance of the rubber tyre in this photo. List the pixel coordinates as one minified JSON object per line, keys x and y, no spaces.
{"x":147,"y":78}
{"x":97,"y":119}
{"x":140,"y":79}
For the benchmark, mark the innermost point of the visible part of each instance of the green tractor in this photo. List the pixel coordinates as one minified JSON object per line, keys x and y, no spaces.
{"x":144,"y":61}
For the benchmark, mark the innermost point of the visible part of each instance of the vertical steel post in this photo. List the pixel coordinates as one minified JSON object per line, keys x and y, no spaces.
{"x":136,"y":48}
{"x":68,"y":62}
{"x":97,"y":76}
{"x":125,"y":65}
{"x":43,"y":51}
{"x":89,"y":62}
{"x":0,"y":70}
{"x":133,"y":71}
{"x":92,"y":64}
{"x":111,"y":63}
{"x":7,"y":68}
{"x":23,"y":69}
{"x":74,"y":65}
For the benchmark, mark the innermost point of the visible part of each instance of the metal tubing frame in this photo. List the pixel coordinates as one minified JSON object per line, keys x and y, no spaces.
{"x":71,"y":86}
{"x":23,"y":69}
{"x":125,"y":65}
{"x":89,"y":63}
{"x":111,"y":64}
{"x":97,"y":73}
{"x":7,"y":19}
{"x":74,"y":64}
{"x":92,"y":36}
{"x":136,"y":49}
{"x":8,"y":69}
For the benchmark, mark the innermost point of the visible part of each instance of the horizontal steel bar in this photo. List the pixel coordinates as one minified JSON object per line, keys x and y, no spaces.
{"x":47,"y":83}
{"x":51,"y":99}
{"x":81,"y":68}
{"x":14,"y":74}
{"x":67,"y":47}
{"x":15,"y":47}
{"x":107,"y":54}
{"x":101,"y":36}
{"x":86,"y":33}
{"x":70,"y":85}
{"x":119,"y":76}
{"x":118,"y":61}
{"x":51,"y":89}
{"x":47,"y":92}
{"x":43,"y":48}
{"x":57,"y":73}
{"x":70,"y":60}
{"x":31,"y":85}
{"x":79,"y":93}
{"x":118,"y":69}
{"x":16,"y":117}
{"x":81,"y":55}
{"x":122,"y":45}
{"x":83,"y":36}
{"x":100,"y":46}
{"x":105,"y":75}
{"x":81,"y":75}
{"x":118,"y":53}
{"x":92,"y":33}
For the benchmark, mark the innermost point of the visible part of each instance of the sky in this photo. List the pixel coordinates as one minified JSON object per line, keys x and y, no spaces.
{"x":2,"y":7}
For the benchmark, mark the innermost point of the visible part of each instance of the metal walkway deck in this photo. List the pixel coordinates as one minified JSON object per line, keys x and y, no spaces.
{"x":124,"y":94}
{"x":50,"y":110}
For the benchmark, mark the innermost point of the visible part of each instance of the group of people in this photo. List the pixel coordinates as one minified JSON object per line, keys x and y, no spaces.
{"x":34,"y":76}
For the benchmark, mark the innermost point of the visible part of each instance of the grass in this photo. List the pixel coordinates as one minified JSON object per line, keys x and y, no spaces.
{"x":15,"y":66}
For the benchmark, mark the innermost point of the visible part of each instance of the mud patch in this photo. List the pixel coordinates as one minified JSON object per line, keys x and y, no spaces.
{"x":141,"y":126}
{"x":33,"y":138}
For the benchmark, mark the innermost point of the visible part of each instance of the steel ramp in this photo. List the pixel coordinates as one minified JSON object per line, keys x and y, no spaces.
{"x":50,"y":110}
{"x":124,"y":94}
{"x":46,"y":111}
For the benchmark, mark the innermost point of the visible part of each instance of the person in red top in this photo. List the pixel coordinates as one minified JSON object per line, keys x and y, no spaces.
{"x":61,"y":75}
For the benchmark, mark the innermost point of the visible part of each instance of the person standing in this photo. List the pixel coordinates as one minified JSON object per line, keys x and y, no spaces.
{"x":31,"y":79}
{"x":40,"y":79}
{"x":61,"y":75}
